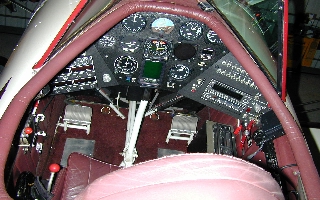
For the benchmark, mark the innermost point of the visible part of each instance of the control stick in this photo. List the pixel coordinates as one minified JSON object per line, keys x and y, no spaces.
{"x":54,"y":168}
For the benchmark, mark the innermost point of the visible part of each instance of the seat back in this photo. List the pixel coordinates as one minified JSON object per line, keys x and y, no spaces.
{"x":80,"y":172}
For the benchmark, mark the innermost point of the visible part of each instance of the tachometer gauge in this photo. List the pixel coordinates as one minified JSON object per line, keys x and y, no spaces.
{"x":107,"y":41}
{"x":213,"y":37}
{"x":191,"y":30}
{"x":162,"y":25}
{"x":134,"y":23}
{"x":125,"y":65}
{"x":130,"y":44}
{"x":179,"y":72}
{"x":157,"y":49}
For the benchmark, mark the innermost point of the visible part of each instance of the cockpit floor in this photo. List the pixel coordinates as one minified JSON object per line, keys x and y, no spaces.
{"x":108,"y":131}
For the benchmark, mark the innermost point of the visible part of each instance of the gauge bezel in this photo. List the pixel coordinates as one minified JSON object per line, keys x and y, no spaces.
{"x":131,"y":25}
{"x":124,"y":70}
{"x":133,"y":48}
{"x":157,"y":54}
{"x":158,"y":26}
{"x":189,"y":33}
{"x":186,"y":70}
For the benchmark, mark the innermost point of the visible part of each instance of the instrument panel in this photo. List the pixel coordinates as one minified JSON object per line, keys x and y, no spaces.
{"x":172,"y":53}
{"x":156,"y":50}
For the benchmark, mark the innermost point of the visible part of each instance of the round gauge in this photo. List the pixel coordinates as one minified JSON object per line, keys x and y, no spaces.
{"x":213,"y":37}
{"x":125,"y":65}
{"x":156,"y":49}
{"x":179,"y":72}
{"x":162,"y":25}
{"x":130,"y":44}
{"x":107,"y":41}
{"x":191,"y":30}
{"x":134,"y":23}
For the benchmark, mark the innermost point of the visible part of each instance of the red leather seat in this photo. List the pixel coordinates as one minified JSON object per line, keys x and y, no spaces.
{"x":80,"y":172}
{"x":187,"y":176}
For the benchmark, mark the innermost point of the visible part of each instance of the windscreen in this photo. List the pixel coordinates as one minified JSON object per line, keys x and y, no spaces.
{"x":256,"y":22}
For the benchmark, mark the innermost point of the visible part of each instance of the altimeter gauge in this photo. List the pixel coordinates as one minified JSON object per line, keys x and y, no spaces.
{"x":125,"y":65}
{"x":134,"y":23}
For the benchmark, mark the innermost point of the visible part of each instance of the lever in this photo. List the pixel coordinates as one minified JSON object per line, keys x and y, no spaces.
{"x":54,"y":168}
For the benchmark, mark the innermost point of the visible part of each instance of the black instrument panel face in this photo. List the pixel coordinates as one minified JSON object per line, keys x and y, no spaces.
{"x":167,"y":52}
{"x":156,"y":50}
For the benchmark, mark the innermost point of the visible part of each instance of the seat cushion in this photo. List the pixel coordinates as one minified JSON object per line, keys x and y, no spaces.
{"x":186,"y":176}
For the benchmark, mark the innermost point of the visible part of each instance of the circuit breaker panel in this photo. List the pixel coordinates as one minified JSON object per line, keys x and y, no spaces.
{"x":79,"y":75}
{"x":227,"y":87}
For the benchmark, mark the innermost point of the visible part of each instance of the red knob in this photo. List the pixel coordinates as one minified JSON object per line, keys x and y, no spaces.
{"x":28,"y":130}
{"x":54,"y":167}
